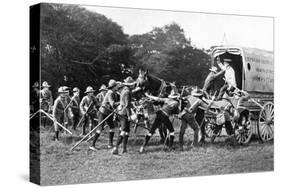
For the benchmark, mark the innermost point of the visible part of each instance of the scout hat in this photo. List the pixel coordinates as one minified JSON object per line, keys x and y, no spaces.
{"x":102,"y":88}
{"x":89,"y":90}
{"x":112,"y":83}
{"x":197,"y":92}
{"x":45,"y":84}
{"x":173,"y":95}
{"x":76,"y":89}
{"x":213,"y":69}
{"x":61,"y":90}
{"x":36,"y":84}
{"x":129,"y":81}
{"x":65,"y":88}
{"x":227,"y":60}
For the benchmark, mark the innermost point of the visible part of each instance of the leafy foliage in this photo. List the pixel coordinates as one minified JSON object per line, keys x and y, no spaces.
{"x":91,"y":49}
{"x":81,"y":44}
{"x":167,"y":53}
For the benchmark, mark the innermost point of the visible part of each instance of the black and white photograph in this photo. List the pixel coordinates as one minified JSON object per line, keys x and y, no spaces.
{"x":119,"y":94}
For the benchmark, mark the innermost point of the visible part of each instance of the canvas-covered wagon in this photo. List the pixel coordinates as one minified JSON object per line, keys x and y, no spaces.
{"x":254,"y":73}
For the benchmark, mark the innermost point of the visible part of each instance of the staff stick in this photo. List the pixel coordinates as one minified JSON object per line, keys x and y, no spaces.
{"x":82,"y":118}
{"x":34,"y":114}
{"x":67,"y":106}
{"x":89,"y":133}
{"x":53,"y":119}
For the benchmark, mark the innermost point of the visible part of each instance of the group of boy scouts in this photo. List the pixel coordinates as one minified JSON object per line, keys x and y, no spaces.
{"x":69,"y":110}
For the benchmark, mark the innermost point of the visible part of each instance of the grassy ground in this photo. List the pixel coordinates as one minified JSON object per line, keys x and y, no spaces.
{"x":59,"y":165}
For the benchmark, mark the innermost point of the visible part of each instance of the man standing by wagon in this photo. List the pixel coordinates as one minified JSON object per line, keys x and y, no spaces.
{"x":124,"y":113}
{"x":187,"y":116}
{"x":106,"y":108}
{"x":229,"y":75}
{"x":88,"y":109}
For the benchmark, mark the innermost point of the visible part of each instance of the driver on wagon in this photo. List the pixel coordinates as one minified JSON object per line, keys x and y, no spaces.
{"x":229,"y":75}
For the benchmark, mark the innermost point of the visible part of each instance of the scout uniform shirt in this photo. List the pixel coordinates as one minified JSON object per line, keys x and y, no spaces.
{"x":59,"y":106}
{"x":229,"y":75}
{"x":100,"y":97}
{"x":193,"y":103}
{"x":46,"y":99}
{"x":125,"y":102}
{"x":108,"y":103}
{"x":86,"y":102}
{"x":75,"y":103}
{"x":169,"y":107}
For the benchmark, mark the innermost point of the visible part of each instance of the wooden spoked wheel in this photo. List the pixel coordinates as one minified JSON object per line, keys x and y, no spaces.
{"x":266,"y":122}
{"x":209,"y":127}
{"x":243,"y":132}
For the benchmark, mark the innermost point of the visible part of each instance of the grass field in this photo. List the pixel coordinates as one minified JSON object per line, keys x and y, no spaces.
{"x":59,"y":165}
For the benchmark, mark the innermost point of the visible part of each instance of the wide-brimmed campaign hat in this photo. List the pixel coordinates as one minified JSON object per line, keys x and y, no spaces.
{"x":65,"y":88}
{"x":36,"y":84}
{"x":197,"y":92}
{"x":89,"y":90}
{"x":213,"y":69}
{"x":227,"y":60}
{"x":112,"y":83}
{"x":76,"y":89}
{"x":129,"y":81}
{"x":61,"y":90}
{"x":174,"y":95}
{"x":45,"y":84}
{"x":102,"y":88}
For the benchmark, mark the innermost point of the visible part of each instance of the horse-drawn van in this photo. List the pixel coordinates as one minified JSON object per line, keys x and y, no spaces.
{"x":254,"y":73}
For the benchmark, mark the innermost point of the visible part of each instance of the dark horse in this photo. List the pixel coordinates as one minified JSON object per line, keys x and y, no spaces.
{"x":154,"y":85}
{"x":157,"y":87}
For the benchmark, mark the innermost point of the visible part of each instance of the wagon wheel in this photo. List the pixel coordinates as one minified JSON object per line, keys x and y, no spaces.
{"x":209,"y":128}
{"x":266,"y":122}
{"x":243,"y":133}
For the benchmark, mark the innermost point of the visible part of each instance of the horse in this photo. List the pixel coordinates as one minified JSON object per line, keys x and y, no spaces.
{"x":157,"y":87}
{"x":154,"y":85}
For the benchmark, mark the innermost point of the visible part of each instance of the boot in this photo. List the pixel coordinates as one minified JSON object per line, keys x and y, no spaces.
{"x":111,"y":135}
{"x":119,"y":140}
{"x":171,"y":141}
{"x":125,"y":141}
{"x":56,"y":135}
{"x":195,"y":139}
{"x":115,"y":149}
{"x":144,"y":144}
{"x":84,"y":130}
{"x":95,"y":139}
{"x":181,"y":141}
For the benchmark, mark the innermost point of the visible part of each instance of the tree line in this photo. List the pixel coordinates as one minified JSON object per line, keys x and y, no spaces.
{"x":90,"y":49}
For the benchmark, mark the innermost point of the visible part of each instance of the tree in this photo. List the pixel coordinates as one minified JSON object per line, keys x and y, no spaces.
{"x":81,"y":44}
{"x":168,"y":54}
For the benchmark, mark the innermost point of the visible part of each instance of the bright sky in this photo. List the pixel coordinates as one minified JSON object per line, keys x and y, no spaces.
{"x":204,"y":29}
